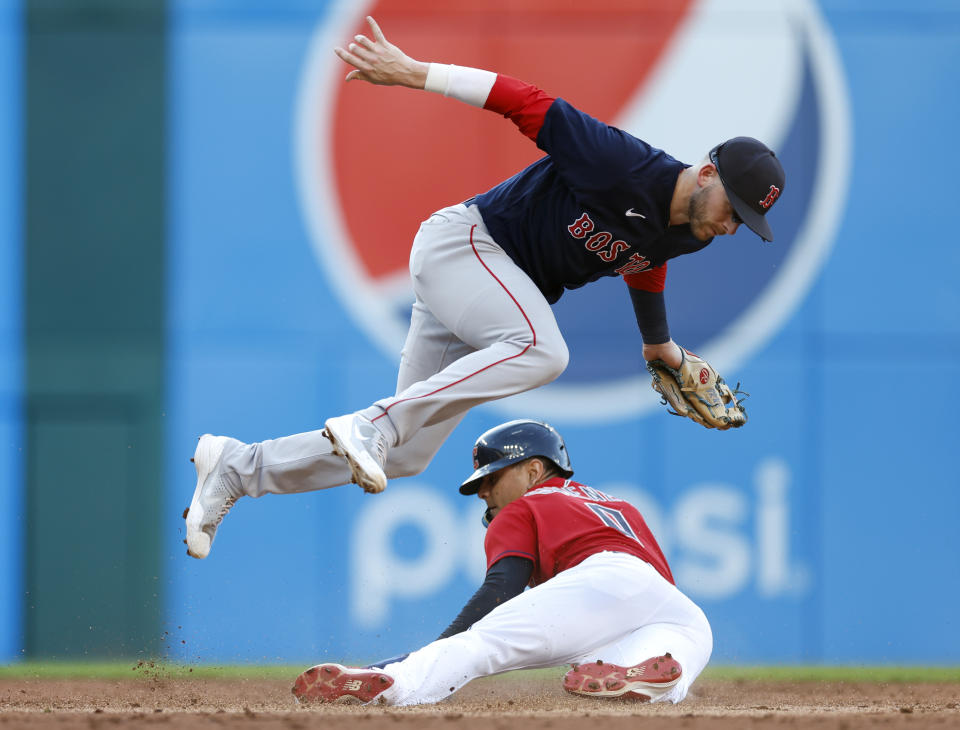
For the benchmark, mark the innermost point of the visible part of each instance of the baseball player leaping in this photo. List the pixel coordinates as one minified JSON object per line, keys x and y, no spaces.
{"x":603,"y":597}
{"x":485,"y":272}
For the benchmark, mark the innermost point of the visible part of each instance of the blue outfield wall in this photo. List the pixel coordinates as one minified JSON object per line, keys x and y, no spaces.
{"x":823,"y":531}
{"x":11,"y":453}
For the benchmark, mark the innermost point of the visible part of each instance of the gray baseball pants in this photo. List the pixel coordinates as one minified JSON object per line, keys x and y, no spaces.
{"x":480,"y":330}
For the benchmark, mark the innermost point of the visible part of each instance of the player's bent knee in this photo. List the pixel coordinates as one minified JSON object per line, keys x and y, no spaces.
{"x":553,"y":358}
{"x":562,"y":358}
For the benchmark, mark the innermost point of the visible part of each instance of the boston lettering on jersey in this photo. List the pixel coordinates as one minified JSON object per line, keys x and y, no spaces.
{"x":561,"y":523}
{"x":597,"y":205}
{"x":605,"y":246}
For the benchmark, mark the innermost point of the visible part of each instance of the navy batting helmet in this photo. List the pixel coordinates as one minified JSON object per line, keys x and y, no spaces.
{"x":512,"y":442}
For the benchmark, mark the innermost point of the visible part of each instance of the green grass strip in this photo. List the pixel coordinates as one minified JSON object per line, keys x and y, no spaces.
{"x":148,"y":670}
{"x":884,"y":674}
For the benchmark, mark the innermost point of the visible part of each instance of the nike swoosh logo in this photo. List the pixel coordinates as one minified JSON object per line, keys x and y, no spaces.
{"x":633,"y":214}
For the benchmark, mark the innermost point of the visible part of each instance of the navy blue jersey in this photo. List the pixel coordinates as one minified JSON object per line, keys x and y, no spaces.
{"x":597,"y":205}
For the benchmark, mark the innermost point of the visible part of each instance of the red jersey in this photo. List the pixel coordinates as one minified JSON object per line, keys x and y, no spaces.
{"x":559,"y":523}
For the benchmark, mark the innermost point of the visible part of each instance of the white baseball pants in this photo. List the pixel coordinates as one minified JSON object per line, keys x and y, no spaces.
{"x":612,"y":607}
{"x":480,"y":330}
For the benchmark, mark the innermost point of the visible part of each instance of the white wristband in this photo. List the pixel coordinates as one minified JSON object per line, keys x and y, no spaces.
{"x":469,"y":85}
{"x":438,"y":74}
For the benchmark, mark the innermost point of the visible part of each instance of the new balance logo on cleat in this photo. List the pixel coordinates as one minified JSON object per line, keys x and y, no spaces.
{"x":335,"y":682}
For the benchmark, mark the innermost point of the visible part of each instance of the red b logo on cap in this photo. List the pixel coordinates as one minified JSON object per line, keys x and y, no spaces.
{"x":771,"y":196}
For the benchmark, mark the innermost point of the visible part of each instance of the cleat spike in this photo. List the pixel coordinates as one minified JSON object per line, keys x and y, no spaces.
{"x":647,"y":681}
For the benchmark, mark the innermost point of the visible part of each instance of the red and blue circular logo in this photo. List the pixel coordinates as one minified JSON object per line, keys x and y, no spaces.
{"x":372,"y":162}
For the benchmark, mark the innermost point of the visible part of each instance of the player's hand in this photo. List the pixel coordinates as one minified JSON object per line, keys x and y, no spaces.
{"x":669,"y":352}
{"x":380,"y":62}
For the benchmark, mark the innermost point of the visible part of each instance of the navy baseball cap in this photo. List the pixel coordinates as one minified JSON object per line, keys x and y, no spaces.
{"x":753,"y":179}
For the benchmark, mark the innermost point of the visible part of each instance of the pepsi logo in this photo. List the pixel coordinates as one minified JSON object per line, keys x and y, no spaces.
{"x":372,"y":162}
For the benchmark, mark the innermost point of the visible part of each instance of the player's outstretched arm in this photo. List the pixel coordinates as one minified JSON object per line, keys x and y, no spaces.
{"x":505,"y":579}
{"x":380,"y":62}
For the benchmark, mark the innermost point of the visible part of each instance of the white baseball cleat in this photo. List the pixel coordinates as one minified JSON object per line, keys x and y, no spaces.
{"x":646,"y":681}
{"x":212,"y":498}
{"x":332,"y":682}
{"x":358,"y":441}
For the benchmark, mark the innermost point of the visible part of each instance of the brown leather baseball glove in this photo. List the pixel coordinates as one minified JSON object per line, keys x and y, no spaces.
{"x":696,"y":391}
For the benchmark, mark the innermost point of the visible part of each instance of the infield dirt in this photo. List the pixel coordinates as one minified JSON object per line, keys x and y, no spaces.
{"x":498,"y":703}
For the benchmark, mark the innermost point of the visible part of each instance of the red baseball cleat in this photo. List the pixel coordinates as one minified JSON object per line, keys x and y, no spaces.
{"x":646,"y":681}
{"x":330,"y":682}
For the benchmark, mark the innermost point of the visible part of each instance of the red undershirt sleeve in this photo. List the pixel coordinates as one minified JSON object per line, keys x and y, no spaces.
{"x":522,"y":103}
